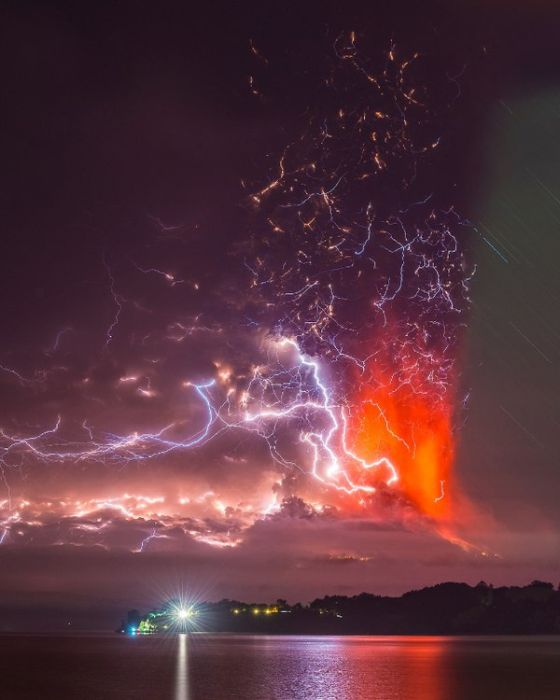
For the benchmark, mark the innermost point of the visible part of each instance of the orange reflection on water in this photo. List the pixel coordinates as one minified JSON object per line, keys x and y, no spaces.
{"x":380,"y":668}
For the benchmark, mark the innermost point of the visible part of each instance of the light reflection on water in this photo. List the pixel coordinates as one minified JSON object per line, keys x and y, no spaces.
{"x":228,"y":667}
{"x":374,"y":668}
{"x":181,"y":680}
{"x":337,"y":668}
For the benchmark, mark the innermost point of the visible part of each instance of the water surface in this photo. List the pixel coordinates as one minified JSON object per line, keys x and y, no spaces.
{"x":221,"y":667}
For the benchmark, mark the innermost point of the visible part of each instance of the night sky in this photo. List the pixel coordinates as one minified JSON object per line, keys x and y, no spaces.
{"x":229,"y":230}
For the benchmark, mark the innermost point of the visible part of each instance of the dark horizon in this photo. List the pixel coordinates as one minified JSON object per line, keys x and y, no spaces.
{"x":456,"y":608}
{"x":448,"y":608}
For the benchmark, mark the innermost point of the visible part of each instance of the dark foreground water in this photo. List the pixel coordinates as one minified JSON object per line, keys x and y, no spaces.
{"x":280,"y":668}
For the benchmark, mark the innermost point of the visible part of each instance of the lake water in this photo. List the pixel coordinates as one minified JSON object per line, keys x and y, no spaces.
{"x":224,"y":667}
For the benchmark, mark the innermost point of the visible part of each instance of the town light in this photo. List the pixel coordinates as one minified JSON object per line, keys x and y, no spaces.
{"x":183,"y":614}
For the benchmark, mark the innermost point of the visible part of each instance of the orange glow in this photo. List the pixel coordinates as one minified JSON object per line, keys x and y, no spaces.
{"x":410,"y":424}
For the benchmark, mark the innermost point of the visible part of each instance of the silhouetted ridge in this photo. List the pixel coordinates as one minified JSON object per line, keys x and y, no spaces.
{"x":447,"y":608}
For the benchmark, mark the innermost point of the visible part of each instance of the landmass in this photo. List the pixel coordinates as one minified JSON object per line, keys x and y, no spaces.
{"x":447,"y":608}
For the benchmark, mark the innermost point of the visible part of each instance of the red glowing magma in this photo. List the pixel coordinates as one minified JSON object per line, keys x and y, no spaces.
{"x":403,"y":413}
